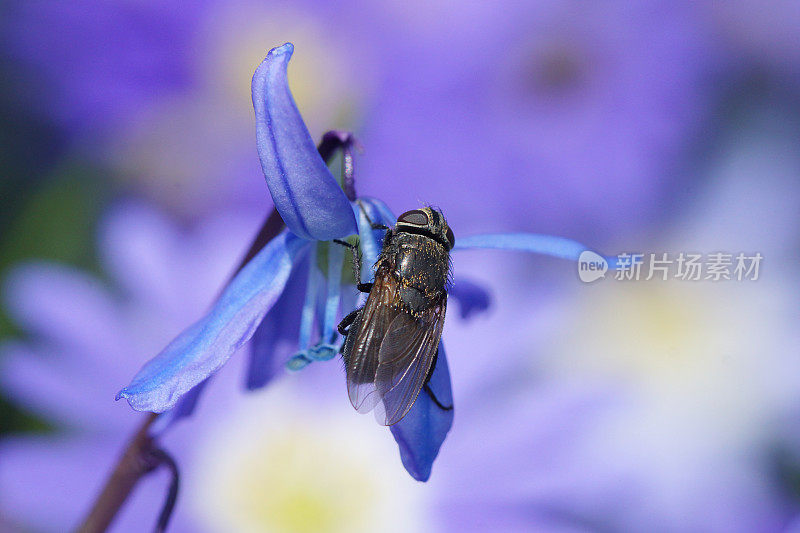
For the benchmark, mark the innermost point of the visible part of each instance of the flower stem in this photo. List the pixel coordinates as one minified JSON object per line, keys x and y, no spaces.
{"x":134,"y":463}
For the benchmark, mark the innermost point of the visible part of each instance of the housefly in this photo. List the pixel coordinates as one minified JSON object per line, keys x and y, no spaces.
{"x":391,"y":344}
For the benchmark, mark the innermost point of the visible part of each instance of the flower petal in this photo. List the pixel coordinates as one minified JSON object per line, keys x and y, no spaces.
{"x":471,"y":297}
{"x":381,"y":211}
{"x":421,"y":432}
{"x":183,"y":409}
{"x":371,"y":240}
{"x":305,"y":193}
{"x":525,"y":242}
{"x":31,"y":294}
{"x":203,"y":348}
{"x":275,"y":340}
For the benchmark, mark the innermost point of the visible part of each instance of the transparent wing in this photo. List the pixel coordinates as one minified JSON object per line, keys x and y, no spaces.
{"x":406,"y":354}
{"x":362,"y":351}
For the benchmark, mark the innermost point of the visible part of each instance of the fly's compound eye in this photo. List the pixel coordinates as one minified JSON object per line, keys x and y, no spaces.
{"x":415,"y":217}
{"x":450,"y":237}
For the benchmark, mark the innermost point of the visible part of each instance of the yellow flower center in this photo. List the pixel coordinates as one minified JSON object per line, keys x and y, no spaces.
{"x":321,"y":71}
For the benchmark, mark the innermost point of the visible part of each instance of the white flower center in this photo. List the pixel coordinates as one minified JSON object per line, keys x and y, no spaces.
{"x":706,"y":362}
{"x":284,"y":464}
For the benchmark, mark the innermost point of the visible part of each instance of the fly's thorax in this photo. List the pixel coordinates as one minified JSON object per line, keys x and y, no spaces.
{"x":421,"y":267}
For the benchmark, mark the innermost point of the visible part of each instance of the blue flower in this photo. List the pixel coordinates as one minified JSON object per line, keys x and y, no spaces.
{"x":302,"y":264}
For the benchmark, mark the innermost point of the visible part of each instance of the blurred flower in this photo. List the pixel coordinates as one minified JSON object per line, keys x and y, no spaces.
{"x":764,"y":41}
{"x":315,"y":208}
{"x":313,"y":467}
{"x":99,"y":63}
{"x":84,"y":336}
{"x":158,"y":91}
{"x":577,"y":116}
{"x":704,"y":372}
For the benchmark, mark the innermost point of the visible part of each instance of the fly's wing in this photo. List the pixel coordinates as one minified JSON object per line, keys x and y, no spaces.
{"x":368,"y":331}
{"x":405,"y":359}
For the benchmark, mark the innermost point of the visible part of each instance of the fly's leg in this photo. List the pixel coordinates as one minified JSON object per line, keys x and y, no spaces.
{"x":344,"y":325}
{"x":356,"y":258}
{"x":435,"y":400}
{"x":365,"y":287}
{"x":362,"y":287}
{"x":373,"y":225}
{"x":428,"y":390}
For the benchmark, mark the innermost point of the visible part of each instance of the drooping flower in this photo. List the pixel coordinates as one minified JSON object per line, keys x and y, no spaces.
{"x":315,"y":209}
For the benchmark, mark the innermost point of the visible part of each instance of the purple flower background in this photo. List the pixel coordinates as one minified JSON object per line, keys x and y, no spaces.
{"x":660,"y":127}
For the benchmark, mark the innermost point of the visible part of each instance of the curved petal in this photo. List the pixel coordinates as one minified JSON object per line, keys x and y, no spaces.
{"x":305,"y":193}
{"x":203,"y":348}
{"x":525,"y":242}
{"x":471,"y":297}
{"x":422,"y":431}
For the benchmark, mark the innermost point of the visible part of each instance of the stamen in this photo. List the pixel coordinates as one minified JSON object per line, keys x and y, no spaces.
{"x":323,"y":352}
{"x":301,"y":359}
{"x":345,"y":142}
{"x":335,"y":262}
{"x":348,"y":171}
{"x":298,"y":362}
{"x":369,"y":246}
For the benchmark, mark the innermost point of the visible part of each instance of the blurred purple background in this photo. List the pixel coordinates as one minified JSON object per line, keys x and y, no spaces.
{"x":131,"y":187}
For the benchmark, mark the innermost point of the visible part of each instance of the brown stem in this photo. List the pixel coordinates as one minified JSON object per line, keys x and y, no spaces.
{"x":132,"y":465}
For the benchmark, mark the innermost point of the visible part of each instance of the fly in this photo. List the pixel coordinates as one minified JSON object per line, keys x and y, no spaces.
{"x":391,"y":344}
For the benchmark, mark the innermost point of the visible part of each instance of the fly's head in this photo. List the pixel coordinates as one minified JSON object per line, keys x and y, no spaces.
{"x":429,"y":222}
